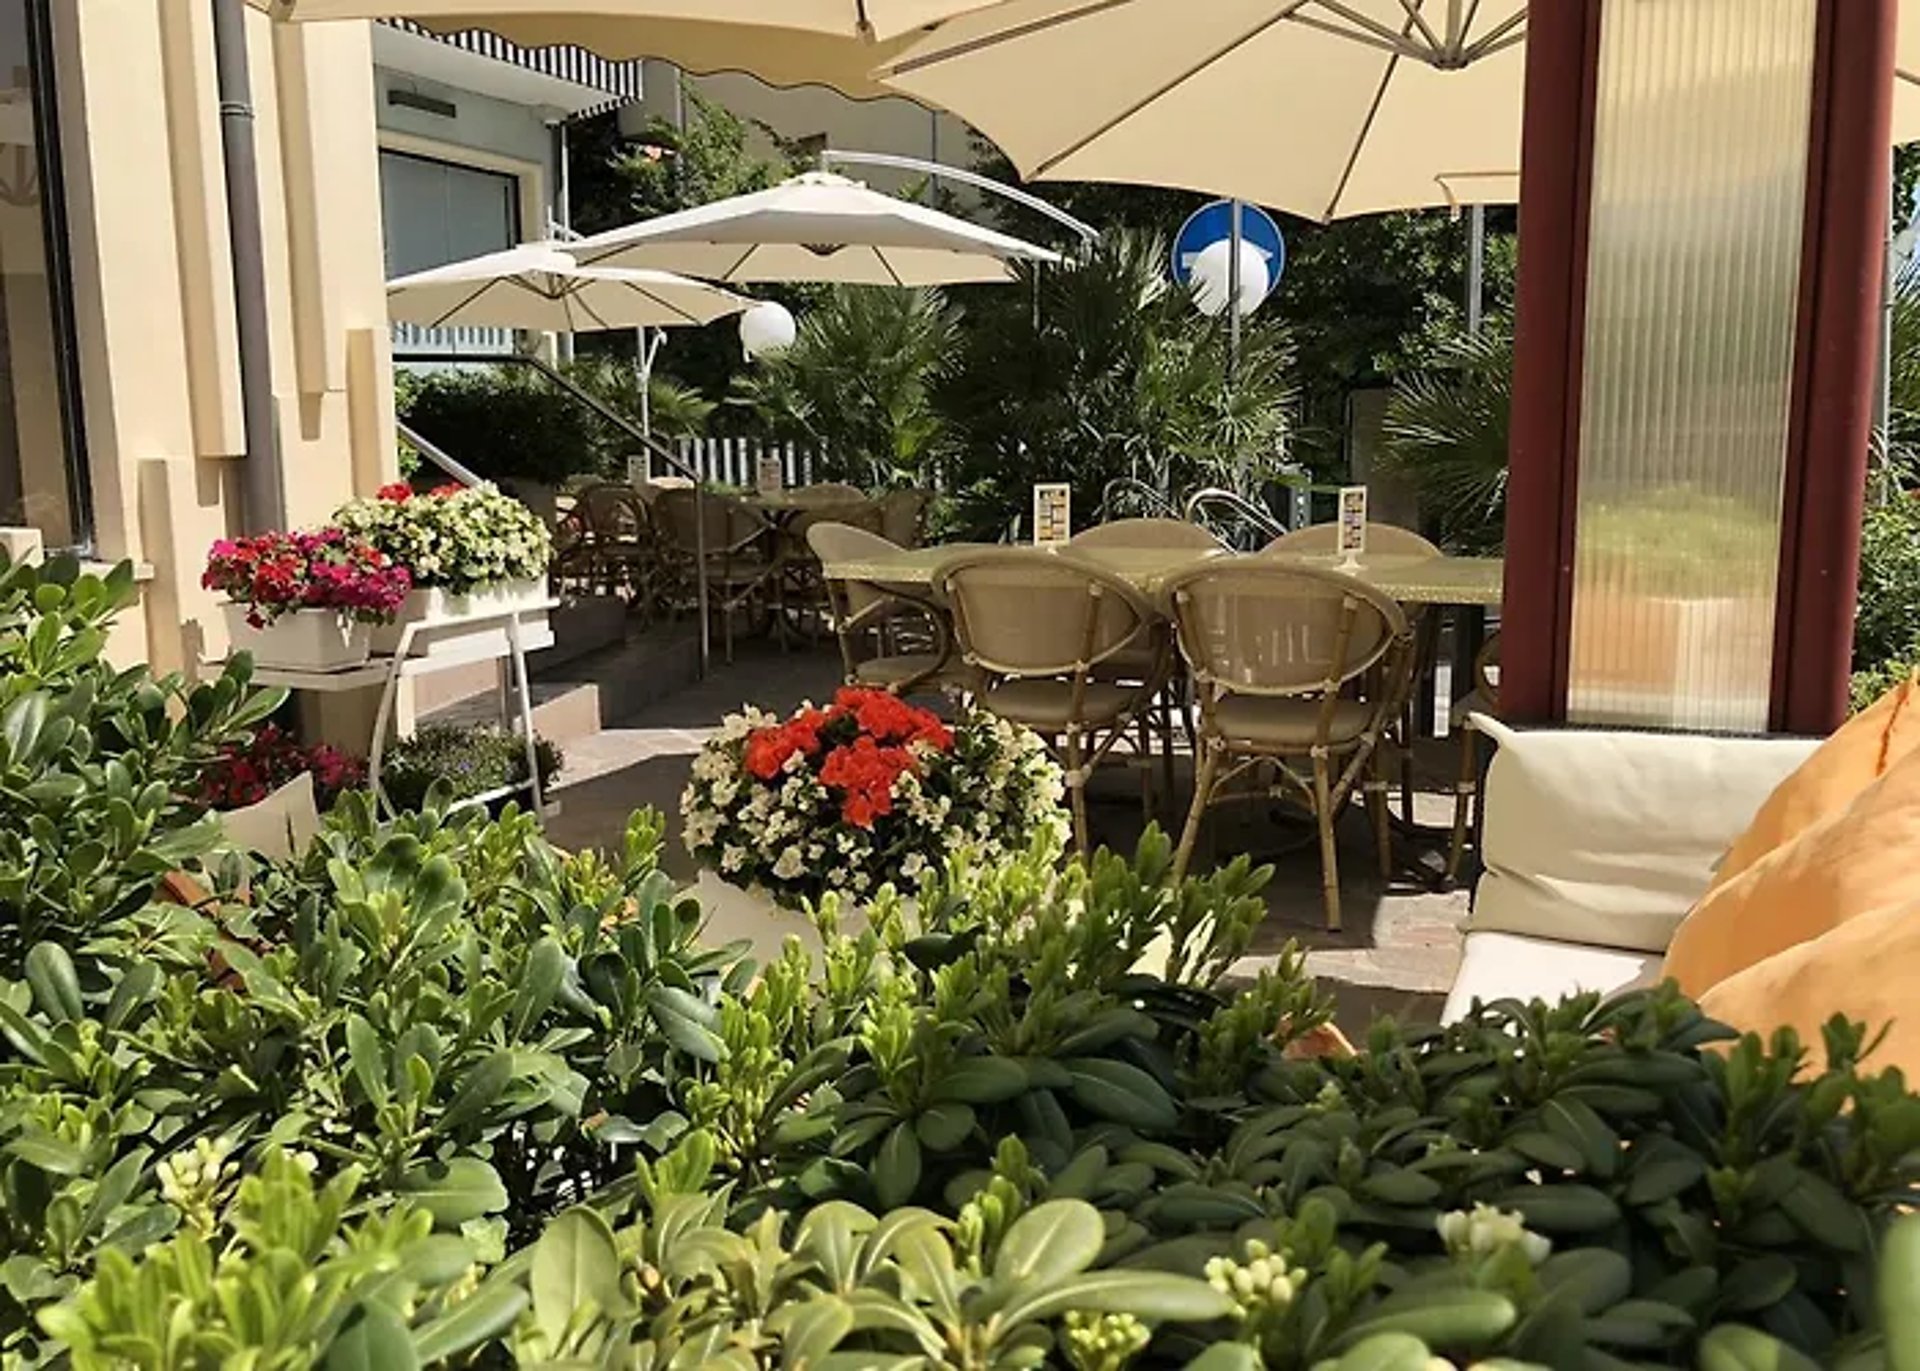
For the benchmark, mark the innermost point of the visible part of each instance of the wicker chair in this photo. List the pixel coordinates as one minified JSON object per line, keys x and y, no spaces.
{"x":869,"y":615}
{"x":1167,"y":533}
{"x":622,"y":546}
{"x":742,"y":569}
{"x":1387,"y":539}
{"x":827,"y":493}
{"x":1042,"y":626}
{"x":1468,"y":799}
{"x":903,"y":515}
{"x":1274,"y":649}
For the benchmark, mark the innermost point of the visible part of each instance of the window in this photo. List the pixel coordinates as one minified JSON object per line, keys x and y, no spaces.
{"x":43,"y":482}
{"x":437,"y":212}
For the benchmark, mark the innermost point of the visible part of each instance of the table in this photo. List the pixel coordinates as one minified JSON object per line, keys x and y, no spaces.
{"x":1413,"y":580}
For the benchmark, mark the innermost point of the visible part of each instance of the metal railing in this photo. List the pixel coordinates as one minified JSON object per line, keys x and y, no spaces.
{"x":1233,"y":518}
{"x":1127,"y":497}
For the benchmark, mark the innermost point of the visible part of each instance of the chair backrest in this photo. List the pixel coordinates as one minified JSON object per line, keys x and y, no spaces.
{"x":730,"y":525}
{"x":1384,"y":538}
{"x":1256,"y":626}
{"x":649,"y":489}
{"x":833,"y":542}
{"x":1152,"y":533}
{"x":827,"y":493}
{"x":859,"y":512}
{"x":1027,"y":612}
{"x":611,"y":512}
{"x":902,"y":513}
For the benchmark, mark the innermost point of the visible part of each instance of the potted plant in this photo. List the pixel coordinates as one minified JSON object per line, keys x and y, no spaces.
{"x":867,"y":792}
{"x":471,"y":551}
{"x":468,"y":759}
{"x":245,"y":773}
{"x":305,"y":601}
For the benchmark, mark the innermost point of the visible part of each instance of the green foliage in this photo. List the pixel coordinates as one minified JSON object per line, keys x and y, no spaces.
{"x":464,"y":760}
{"x":1101,"y":371}
{"x":508,"y":423}
{"x":858,"y":383}
{"x":97,"y":766}
{"x":1446,"y":433}
{"x":1886,"y":633}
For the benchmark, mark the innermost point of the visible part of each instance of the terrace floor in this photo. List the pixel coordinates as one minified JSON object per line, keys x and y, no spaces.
{"x":1397,"y":953}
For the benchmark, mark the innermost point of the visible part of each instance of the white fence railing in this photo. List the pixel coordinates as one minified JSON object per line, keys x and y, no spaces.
{"x":736,"y":461}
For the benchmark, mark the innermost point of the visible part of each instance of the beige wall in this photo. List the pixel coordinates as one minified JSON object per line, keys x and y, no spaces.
{"x":153,"y":287}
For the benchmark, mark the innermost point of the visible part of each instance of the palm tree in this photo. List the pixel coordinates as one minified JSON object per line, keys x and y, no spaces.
{"x":1446,"y":431}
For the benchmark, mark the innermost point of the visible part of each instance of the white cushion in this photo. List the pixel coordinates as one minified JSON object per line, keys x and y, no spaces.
{"x":1498,"y":966}
{"x":1608,"y":838}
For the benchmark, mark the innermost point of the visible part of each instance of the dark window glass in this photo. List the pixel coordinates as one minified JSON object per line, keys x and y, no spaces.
{"x":42,"y":463}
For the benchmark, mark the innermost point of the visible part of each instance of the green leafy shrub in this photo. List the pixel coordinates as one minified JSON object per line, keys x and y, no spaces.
{"x":1886,"y":631}
{"x":508,"y":423}
{"x":465,"y":759}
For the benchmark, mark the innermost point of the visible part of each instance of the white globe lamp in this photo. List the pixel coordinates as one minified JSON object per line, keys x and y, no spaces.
{"x":1213,"y":274}
{"x":767,"y":329}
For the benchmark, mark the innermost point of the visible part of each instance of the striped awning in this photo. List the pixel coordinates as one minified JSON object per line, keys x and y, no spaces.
{"x":621,"y":81}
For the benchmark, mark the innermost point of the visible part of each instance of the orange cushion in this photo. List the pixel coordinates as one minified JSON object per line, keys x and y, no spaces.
{"x":1828,"y":781}
{"x":1864,"y":858}
{"x":1865,"y":969}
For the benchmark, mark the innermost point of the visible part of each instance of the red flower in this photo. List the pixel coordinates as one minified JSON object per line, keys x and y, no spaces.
{"x":274,"y":573}
{"x":446,"y":488}
{"x":865,"y":773}
{"x":395,"y":492}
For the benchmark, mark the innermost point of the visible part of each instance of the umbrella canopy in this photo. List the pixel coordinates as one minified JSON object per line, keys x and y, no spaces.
{"x":795,"y":42}
{"x":1323,"y":108}
{"x":816,"y":227}
{"x":539,"y":287}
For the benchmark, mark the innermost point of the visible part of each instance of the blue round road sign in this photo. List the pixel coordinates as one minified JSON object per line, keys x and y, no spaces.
{"x":1213,"y":223}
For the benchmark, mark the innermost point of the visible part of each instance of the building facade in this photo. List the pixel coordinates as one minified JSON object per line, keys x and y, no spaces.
{"x":120,"y":420}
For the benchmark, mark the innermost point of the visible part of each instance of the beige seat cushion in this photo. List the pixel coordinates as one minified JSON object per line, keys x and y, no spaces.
{"x":1045,"y":705}
{"x":1499,"y":966}
{"x":1266,"y":721}
{"x":1608,"y":838}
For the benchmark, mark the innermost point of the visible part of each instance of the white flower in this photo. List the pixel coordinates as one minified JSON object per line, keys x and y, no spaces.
{"x":733,"y":859}
{"x":790,"y":865}
{"x":914,"y":864}
{"x":1486,"y":1229}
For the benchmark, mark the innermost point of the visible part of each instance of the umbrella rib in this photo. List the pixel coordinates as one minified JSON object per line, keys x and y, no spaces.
{"x":485,"y":286}
{"x":1503,"y":35}
{"x":727,"y":275}
{"x":580,"y":299}
{"x":1102,"y":130}
{"x":663,"y":302}
{"x":884,"y":261}
{"x":1370,"y":34}
{"x":1360,"y":140}
{"x":1413,"y":8}
{"x":1011,"y":34}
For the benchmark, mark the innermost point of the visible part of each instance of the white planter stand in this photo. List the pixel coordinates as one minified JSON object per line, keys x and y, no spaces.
{"x":442,"y":621}
{"x":510,"y":633}
{"x":317,"y":640}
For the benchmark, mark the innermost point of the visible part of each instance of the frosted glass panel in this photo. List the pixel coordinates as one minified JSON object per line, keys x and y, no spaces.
{"x":1699,"y":185}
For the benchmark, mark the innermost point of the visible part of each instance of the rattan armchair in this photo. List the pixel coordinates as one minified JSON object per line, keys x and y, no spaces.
{"x":875,"y":620}
{"x":1042,"y":627}
{"x":1468,"y":798}
{"x":1387,"y":539}
{"x":741,"y":568}
{"x":1276,"y":650}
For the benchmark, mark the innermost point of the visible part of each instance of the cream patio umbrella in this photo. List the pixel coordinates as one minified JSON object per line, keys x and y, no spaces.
{"x":539,"y":287}
{"x":1322,"y":108}
{"x":815,"y":227}
{"x":833,"y":43}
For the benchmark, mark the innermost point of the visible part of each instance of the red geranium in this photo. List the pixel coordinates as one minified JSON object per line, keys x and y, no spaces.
{"x":866,"y":739}
{"x":246,"y":773}
{"x":395,"y":492}
{"x":277,"y":573}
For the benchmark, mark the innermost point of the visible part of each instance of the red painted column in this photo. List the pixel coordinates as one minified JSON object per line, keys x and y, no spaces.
{"x":1543,"y":444}
{"x":1837,"y":361}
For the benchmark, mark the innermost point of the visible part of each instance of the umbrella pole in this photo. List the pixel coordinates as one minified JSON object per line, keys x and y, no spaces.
{"x":1476,"y":266}
{"x":1241,"y":461}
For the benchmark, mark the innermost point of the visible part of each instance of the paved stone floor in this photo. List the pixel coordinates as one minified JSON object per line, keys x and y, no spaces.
{"x":1395,"y":955}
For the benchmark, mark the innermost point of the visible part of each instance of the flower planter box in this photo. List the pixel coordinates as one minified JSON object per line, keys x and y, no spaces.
{"x":317,"y":640}
{"x":445,"y":617}
{"x":734,"y":914}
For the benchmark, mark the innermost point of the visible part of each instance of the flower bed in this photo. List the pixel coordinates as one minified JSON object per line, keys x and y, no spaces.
{"x":868,"y":791}
{"x":274,"y":574}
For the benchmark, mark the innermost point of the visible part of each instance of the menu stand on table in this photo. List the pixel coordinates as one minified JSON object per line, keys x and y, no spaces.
{"x":518,"y":639}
